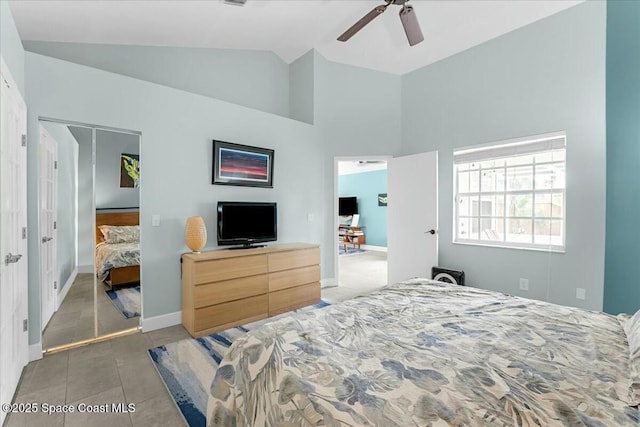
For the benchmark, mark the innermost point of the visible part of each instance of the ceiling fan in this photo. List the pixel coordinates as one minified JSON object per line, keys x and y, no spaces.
{"x":407,"y":16}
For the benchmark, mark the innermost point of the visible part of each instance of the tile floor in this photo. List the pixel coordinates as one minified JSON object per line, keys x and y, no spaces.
{"x":115,"y":371}
{"x":74,"y":319}
{"x":120,"y":370}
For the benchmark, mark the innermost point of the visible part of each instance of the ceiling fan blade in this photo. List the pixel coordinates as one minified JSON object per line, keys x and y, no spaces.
{"x":362,"y":22}
{"x":411,"y":25}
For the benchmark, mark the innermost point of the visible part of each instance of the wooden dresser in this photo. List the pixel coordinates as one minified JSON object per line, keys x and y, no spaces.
{"x":226,"y":288}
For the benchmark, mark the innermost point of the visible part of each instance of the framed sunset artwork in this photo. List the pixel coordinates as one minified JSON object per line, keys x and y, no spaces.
{"x":236,"y":164}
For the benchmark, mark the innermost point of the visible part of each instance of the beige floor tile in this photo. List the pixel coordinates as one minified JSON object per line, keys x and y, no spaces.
{"x":167,"y":335}
{"x":131,"y":348}
{"x":88,"y":351}
{"x":41,"y":400}
{"x":61,"y":320}
{"x":90,"y":376}
{"x":49,"y":371}
{"x":74,"y":321}
{"x":54,"y":337}
{"x":105,"y":399}
{"x":159,"y":411}
{"x":140,"y":381}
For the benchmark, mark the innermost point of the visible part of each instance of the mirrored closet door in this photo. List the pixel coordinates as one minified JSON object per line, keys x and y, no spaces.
{"x":89,"y":221}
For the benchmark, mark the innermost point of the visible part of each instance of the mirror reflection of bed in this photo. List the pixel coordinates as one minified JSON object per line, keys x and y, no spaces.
{"x":117,"y":270}
{"x":82,"y":306}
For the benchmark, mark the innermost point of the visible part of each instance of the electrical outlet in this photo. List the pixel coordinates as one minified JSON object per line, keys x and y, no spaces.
{"x":524,"y":284}
{"x":581,"y":293}
{"x":155,"y":220}
{"x":310,"y":217}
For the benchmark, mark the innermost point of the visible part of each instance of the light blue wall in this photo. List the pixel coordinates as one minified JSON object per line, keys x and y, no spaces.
{"x":301,"y":76}
{"x":255,"y":79}
{"x":109,"y":147}
{"x":622,"y":269}
{"x":548,"y":76}
{"x":366,"y":186}
{"x":66,"y":244}
{"x":10,"y":46}
{"x":357,"y":113}
{"x":86,"y":232}
{"x":177,"y":128}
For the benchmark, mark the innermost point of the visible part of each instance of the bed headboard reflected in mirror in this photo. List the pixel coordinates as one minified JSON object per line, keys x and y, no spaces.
{"x":115,"y":218}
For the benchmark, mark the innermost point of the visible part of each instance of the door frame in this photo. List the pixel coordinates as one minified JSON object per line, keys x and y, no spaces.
{"x":336,"y":161}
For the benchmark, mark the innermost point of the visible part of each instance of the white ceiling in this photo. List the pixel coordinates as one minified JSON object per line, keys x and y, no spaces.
{"x":287,"y":27}
{"x":348,"y":167}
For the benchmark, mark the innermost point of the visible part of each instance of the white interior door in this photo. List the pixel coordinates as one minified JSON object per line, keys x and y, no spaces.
{"x":412,"y":216}
{"x":48,"y":208}
{"x":14,"y":341}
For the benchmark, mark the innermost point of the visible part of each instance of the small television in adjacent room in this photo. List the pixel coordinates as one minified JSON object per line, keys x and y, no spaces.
{"x":247,"y":223}
{"x":347,"y":206}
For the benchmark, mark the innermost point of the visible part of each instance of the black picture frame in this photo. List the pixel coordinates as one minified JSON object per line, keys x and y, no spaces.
{"x":242,"y":165}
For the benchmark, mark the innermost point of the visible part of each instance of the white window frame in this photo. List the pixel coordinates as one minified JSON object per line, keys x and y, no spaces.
{"x":538,"y":144}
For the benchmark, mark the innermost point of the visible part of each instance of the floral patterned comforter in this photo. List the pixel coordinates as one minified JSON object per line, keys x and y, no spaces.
{"x":430,"y":354}
{"x":113,"y":255}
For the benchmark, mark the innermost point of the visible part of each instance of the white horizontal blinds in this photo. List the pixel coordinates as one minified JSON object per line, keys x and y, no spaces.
{"x":509,"y":149}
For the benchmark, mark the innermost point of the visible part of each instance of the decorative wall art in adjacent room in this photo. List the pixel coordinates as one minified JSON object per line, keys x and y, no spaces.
{"x":235,"y":164}
{"x":382,"y":199}
{"x":129,"y":170}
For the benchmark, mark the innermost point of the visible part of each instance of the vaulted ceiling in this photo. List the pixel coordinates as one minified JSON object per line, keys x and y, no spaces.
{"x":288,"y":28}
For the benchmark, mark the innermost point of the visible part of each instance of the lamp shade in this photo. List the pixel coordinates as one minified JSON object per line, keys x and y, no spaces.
{"x":195,"y":233}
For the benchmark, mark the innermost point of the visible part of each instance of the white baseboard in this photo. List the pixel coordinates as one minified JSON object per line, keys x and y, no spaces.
{"x":374,"y":248}
{"x":65,"y":289}
{"x":328,"y":283}
{"x":35,"y":351}
{"x":85,"y":269}
{"x":162,"y":321}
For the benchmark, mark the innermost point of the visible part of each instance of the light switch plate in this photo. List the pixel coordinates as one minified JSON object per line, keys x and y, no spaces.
{"x":155,"y":220}
{"x":524,"y":284}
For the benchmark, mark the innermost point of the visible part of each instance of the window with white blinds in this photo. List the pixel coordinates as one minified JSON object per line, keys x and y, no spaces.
{"x":511,"y":193}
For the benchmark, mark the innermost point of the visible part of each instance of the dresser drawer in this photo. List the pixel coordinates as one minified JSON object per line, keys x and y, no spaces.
{"x":229,"y":268}
{"x":231,"y":312}
{"x":293,"y":259}
{"x":230,"y":290}
{"x":291,"y":278}
{"x":292,"y":298}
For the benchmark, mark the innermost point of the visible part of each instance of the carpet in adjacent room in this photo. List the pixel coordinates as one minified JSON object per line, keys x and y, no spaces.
{"x":349,"y":251}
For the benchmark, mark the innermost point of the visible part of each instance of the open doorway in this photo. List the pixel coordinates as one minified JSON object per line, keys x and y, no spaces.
{"x":361,"y":224}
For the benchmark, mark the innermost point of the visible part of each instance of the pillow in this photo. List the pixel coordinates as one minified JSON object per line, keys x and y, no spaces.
{"x":632,"y":330}
{"x":120,"y":233}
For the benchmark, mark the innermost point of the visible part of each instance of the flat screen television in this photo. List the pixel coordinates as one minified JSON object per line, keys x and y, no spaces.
{"x":347,"y":206}
{"x":247,"y":223}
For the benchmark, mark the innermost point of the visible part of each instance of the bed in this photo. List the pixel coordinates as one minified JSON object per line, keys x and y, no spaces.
{"x":118,"y":257}
{"x":433,"y":354}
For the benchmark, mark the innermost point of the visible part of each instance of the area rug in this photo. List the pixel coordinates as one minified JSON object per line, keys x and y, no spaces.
{"x":188,"y":366}
{"x":349,"y":251}
{"x":126,"y":300}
